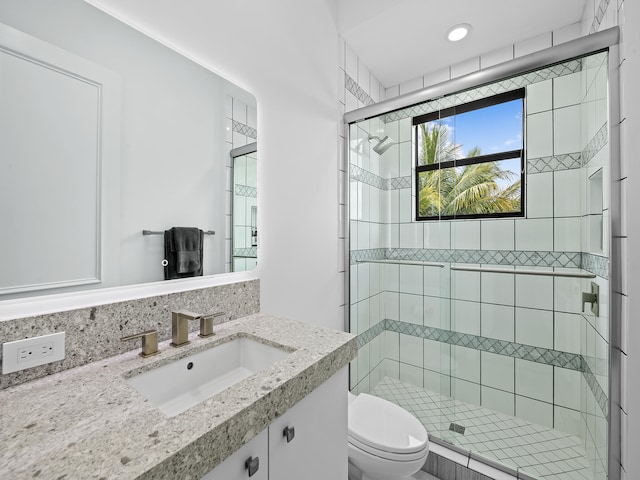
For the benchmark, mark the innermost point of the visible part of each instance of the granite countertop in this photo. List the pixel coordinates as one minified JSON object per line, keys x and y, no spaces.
{"x":89,"y":423}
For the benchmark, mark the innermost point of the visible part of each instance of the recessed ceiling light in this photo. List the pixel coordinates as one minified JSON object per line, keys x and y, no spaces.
{"x":458,"y":32}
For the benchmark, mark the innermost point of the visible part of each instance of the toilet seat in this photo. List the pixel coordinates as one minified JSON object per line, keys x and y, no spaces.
{"x":384,"y":429}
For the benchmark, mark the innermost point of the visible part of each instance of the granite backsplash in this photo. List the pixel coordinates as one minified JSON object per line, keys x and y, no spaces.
{"x":94,"y":333}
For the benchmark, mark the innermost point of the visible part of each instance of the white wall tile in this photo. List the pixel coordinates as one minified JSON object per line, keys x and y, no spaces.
{"x":437,"y":282}
{"x":411,"y":278}
{"x":497,"y":235}
{"x":495,"y":57}
{"x":566,"y":420}
{"x":392,"y":92}
{"x":465,"y":235}
{"x":534,"y":291}
{"x":497,"y":371}
{"x":412,"y":375}
{"x":351,"y":62}
{"x":539,"y":97}
{"x":390,"y":345}
{"x":498,"y":400}
{"x":466,"y":67}
{"x":404,"y":130}
{"x":497,"y":321}
{"x":497,"y":288}
{"x":534,"y":327}
{"x":567,"y":91}
{"x":465,"y":285}
{"x":565,"y":338}
{"x":567,"y":388}
{"x":411,"y":85}
{"x":539,"y":139}
{"x":437,"y":383}
{"x":567,"y":130}
{"x":410,"y":235}
{"x":567,"y":33}
{"x":412,"y":351}
{"x":363,"y":77}
{"x":437,"y":356}
{"x":568,"y":294}
{"x":406,"y":204}
{"x":437,"y":312}
{"x":534,"y":380}
{"x":411,"y":308}
{"x":406,"y":158}
{"x":437,"y":234}
{"x":465,"y":391}
{"x":567,"y":193}
{"x":465,"y":317}
{"x":436,"y":77}
{"x":567,"y":234}
{"x":465,"y":363}
{"x":533,"y":44}
{"x":539,"y":193}
{"x":534,"y":234}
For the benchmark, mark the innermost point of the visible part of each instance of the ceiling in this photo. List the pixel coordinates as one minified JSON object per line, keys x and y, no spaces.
{"x":400,"y":40}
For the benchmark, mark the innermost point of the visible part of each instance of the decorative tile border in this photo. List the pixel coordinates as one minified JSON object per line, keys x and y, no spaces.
{"x":596,"y":264}
{"x":251,"y":252}
{"x":488,"y":257}
{"x":361,"y":175}
{"x":544,"y":356}
{"x":368,"y":335}
{"x":244,"y":129}
{"x":596,"y":389}
{"x":370,"y":254}
{"x":597,"y":21}
{"x":352,"y":86}
{"x":599,"y":140}
{"x":568,"y":161}
{"x":397,"y":183}
{"x":246,"y":191}
{"x":554,"y":71}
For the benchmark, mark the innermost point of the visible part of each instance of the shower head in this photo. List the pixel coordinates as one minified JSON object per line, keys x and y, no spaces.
{"x":383,"y":144}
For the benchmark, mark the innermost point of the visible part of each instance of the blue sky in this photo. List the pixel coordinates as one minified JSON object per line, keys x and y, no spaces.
{"x":494,"y":129}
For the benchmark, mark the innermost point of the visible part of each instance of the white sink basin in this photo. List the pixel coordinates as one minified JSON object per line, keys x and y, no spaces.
{"x":180,"y":385}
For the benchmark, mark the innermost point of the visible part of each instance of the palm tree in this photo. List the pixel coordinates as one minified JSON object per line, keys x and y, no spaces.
{"x":471,"y":189}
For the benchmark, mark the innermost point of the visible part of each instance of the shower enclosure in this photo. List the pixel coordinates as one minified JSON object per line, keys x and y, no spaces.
{"x":491,"y":323}
{"x":244,"y":244}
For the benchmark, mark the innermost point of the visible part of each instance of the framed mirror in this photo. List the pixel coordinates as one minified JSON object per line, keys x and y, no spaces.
{"x":106,"y":133}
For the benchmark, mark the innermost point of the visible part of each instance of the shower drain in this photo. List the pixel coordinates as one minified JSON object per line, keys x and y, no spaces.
{"x":454,"y":427}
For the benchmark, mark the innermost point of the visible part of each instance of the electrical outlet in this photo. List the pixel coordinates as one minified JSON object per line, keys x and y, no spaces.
{"x":32,"y":352}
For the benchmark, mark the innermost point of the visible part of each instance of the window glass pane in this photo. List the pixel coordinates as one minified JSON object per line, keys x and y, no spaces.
{"x":483,"y":188}
{"x":493,"y":129}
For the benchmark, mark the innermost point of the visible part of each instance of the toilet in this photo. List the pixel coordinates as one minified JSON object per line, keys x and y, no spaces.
{"x":385,"y":441}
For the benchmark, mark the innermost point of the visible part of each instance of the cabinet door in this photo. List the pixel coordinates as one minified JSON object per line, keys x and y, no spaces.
{"x":234,"y":467}
{"x":317,"y":448}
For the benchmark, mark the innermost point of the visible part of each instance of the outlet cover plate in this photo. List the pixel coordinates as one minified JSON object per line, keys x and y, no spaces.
{"x":31,"y":352}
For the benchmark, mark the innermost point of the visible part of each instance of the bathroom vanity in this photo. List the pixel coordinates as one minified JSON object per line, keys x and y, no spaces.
{"x":90,"y":422}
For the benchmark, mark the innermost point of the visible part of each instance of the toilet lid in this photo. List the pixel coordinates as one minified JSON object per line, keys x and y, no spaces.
{"x":384,"y":426}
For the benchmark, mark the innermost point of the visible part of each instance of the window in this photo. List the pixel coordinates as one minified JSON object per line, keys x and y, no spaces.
{"x":470,"y":160}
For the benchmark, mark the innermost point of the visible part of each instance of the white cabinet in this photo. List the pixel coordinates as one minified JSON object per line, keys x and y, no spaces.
{"x":317,"y":446}
{"x":235,"y":467}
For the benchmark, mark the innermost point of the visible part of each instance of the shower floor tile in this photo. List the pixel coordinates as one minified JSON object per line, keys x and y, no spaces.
{"x":538,"y":451}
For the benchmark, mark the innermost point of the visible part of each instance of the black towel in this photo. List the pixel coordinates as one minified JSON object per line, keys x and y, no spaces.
{"x":183,"y":252}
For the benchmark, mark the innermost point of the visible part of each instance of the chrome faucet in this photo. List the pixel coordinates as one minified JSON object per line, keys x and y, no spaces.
{"x":180,"y":326}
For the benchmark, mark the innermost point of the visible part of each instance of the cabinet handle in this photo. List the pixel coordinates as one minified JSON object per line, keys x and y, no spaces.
{"x":289,"y":432}
{"x":252,"y":464}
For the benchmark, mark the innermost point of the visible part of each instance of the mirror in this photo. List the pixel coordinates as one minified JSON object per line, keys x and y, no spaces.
{"x":104,"y":133}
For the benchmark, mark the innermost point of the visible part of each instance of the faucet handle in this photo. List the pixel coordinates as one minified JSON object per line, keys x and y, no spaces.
{"x":149,"y":342}
{"x":206,"y":324}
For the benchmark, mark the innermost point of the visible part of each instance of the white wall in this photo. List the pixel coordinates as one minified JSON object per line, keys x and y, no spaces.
{"x":288,"y":62}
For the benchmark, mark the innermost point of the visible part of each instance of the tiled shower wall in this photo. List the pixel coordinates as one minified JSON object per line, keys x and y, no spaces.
{"x":513,"y":343}
{"x":240,"y":129}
